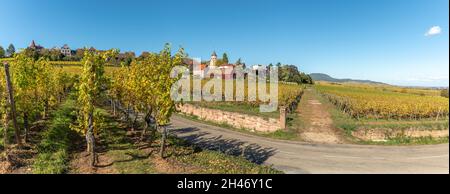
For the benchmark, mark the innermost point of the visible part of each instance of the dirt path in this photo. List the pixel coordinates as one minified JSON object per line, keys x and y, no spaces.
{"x":318,"y":125}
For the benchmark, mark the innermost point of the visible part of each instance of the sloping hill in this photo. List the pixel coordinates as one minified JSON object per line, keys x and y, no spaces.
{"x":325,"y":77}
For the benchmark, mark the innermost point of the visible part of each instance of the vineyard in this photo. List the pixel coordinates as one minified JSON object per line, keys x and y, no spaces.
{"x":43,"y":105}
{"x":288,"y":96}
{"x":37,"y":86}
{"x":288,"y":93}
{"x":364,"y":101}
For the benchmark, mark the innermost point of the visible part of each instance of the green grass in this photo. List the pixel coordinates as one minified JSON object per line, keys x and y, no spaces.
{"x":54,"y":147}
{"x":131,"y":161}
{"x":126,"y":157}
{"x":401,"y":140}
{"x":213,"y":162}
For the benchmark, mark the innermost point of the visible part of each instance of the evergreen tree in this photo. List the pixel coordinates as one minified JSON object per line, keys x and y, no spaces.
{"x":2,"y":52}
{"x":239,"y":62}
{"x":225,"y":58}
{"x":10,"y":51}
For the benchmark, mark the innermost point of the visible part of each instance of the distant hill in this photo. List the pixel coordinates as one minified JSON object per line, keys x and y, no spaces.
{"x":325,"y":77}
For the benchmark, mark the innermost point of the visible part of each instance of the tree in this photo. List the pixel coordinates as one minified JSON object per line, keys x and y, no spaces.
{"x":10,"y":51}
{"x":144,"y":54}
{"x":2,"y":52}
{"x":79,"y":53}
{"x":225,"y":58}
{"x":269,"y":67}
{"x":444,"y":93}
{"x":55,"y":55}
{"x":290,"y":73}
{"x":92,"y":84}
{"x":32,"y":53}
{"x":238,"y":62}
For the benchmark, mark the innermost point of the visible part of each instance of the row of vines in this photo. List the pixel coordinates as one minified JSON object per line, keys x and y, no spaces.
{"x":38,"y":86}
{"x":371,"y":103}
{"x":29,"y":89}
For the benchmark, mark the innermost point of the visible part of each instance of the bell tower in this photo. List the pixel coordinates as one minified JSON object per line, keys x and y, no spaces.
{"x":213,"y":62}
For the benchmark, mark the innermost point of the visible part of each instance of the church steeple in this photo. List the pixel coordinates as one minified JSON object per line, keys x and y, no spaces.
{"x":33,"y":44}
{"x":213,"y":61}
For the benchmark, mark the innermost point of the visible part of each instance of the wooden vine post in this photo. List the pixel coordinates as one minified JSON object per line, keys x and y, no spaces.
{"x":12,"y":104}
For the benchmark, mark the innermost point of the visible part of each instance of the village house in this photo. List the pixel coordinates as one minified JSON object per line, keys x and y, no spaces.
{"x":227,"y":71}
{"x":35,"y":46}
{"x":65,"y":50}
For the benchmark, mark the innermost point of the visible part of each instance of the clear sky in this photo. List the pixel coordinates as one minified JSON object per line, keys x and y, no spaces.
{"x":381,"y":40}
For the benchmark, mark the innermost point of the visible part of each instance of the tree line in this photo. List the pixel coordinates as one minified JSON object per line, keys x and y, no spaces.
{"x":9,"y":52}
{"x":290,"y":73}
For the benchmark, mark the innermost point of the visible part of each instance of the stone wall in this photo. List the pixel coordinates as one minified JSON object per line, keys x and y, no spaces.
{"x":383,"y":134}
{"x":237,"y":120}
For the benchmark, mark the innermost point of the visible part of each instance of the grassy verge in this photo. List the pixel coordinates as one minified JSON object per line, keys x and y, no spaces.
{"x":54,"y":146}
{"x":409,"y":141}
{"x":121,"y":151}
{"x":201,"y":161}
{"x":207,"y":162}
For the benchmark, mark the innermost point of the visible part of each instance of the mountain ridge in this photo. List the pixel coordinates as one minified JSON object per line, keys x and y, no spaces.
{"x":328,"y":78}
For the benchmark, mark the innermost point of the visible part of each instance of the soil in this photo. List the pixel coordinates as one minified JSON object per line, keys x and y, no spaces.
{"x":81,"y":161}
{"x":20,"y":159}
{"x":318,"y":122}
{"x":168,"y":166}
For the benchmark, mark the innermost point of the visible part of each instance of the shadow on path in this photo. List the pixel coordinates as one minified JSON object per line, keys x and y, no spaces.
{"x":252,"y":152}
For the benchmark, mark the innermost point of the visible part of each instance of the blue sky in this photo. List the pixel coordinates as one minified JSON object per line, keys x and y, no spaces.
{"x":381,"y":40}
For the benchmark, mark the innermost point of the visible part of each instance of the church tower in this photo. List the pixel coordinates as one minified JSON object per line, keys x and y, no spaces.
{"x":213,"y":62}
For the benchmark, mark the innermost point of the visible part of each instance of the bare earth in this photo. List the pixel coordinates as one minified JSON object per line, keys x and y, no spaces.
{"x":319,"y":125}
{"x":297,"y":157}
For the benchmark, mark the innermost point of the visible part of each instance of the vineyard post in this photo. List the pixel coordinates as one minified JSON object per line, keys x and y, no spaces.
{"x":5,"y":129}
{"x":163,"y":140}
{"x":114,"y":107}
{"x":283,"y":117}
{"x":12,"y":104}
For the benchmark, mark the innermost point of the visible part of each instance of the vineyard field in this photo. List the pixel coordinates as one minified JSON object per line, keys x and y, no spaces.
{"x":48,"y":108}
{"x":374,"y":102}
{"x":288,"y":94}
